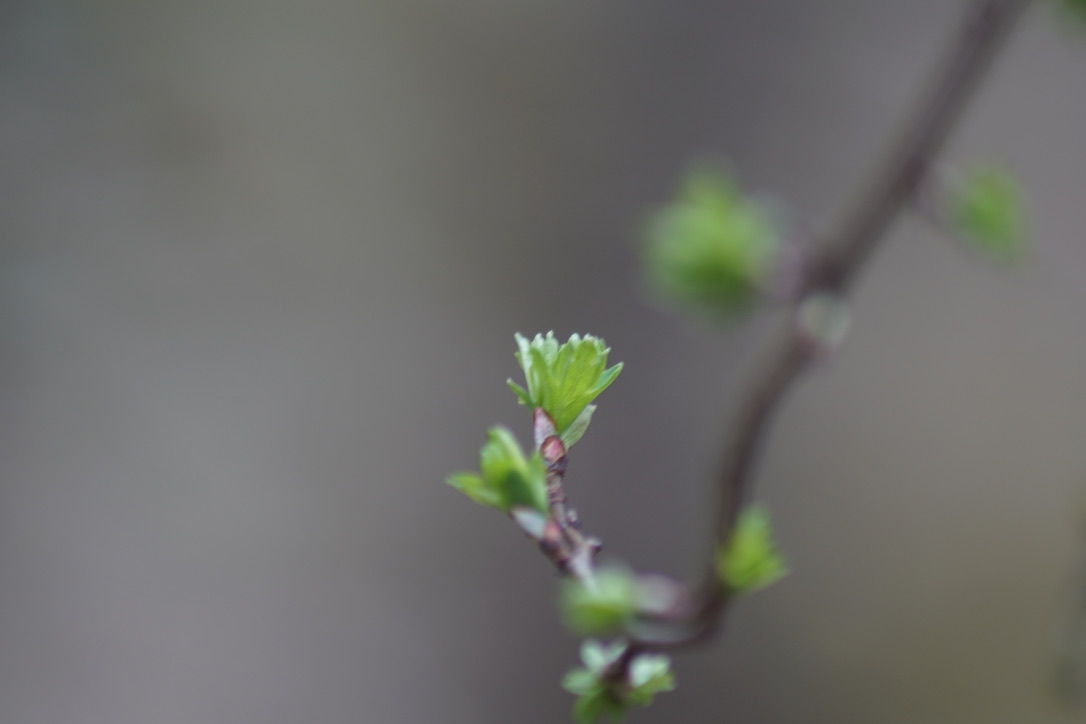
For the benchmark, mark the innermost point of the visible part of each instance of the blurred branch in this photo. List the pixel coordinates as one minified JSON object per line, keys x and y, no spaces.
{"x":985,"y":28}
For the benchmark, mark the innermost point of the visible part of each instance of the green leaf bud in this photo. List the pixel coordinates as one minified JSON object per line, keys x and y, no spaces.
{"x":598,"y":703}
{"x":749,"y":560}
{"x":713,"y":250}
{"x":564,"y":379}
{"x":602,"y":606}
{"x":649,"y":675}
{"x":600,"y":696}
{"x":507,"y":478}
{"x":987,"y":210}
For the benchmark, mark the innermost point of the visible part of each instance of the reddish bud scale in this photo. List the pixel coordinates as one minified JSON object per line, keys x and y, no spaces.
{"x":543,"y":427}
{"x":553,"y":451}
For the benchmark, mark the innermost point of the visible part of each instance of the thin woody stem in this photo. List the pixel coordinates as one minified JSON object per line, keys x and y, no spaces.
{"x":563,"y":542}
{"x":986,"y":26}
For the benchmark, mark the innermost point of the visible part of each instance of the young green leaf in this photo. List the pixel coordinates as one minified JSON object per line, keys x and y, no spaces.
{"x":602,"y":607}
{"x":987,"y":210}
{"x":577,"y":428}
{"x":476,"y":488}
{"x":649,"y":676}
{"x":600,"y":696}
{"x":597,"y":656}
{"x":749,"y":560}
{"x":712,"y":250}
{"x":507,"y":478}
{"x":598,"y":703}
{"x":564,"y":379}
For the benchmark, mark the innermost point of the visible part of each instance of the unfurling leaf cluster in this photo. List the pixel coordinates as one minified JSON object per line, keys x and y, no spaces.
{"x":712,"y":250}
{"x":601,"y":607}
{"x":507,"y":478}
{"x":600,"y":695}
{"x":564,"y":379}
{"x":987,"y":210}
{"x":749,"y":560}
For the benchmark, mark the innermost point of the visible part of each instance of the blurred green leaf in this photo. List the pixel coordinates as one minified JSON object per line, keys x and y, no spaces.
{"x":649,"y":676}
{"x":600,"y":697}
{"x":602,"y":607}
{"x":476,"y":488}
{"x":987,"y":210}
{"x":598,"y":703}
{"x":1075,"y":8}
{"x":713,"y":249}
{"x":579,"y":681}
{"x":749,"y":560}
{"x":564,"y":379}
{"x":508,"y":478}
{"x":598,"y":656}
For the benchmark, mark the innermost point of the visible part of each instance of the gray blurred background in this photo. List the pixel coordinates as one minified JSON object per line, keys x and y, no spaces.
{"x":261,"y":267}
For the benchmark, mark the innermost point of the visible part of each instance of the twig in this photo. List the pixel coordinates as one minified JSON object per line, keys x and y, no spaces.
{"x":562,"y":541}
{"x":985,"y":28}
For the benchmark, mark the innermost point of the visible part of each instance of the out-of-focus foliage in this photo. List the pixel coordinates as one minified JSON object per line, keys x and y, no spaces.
{"x":712,"y":250}
{"x":507,"y":479}
{"x":1075,"y":8}
{"x":599,"y":696}
{"x":601,"y":607}
{"x":564,"y":379}
{"x":749,"y":560}
{"x":987,"y":210}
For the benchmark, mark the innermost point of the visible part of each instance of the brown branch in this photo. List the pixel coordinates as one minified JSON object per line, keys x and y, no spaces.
{"x":571,"y":551}
{"x":983,"y":32}
{"x":986,"y":26}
